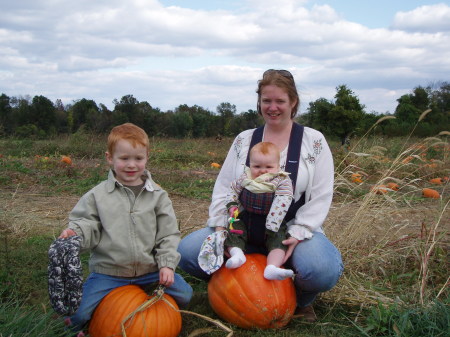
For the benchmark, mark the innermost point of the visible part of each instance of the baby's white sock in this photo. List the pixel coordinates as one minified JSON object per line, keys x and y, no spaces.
{"x":237,"y":258}
{"x":274,"y":273}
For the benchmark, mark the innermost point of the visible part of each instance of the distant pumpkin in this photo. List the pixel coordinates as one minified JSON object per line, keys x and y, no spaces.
{"x":407,"y":159}
{"x":215,"y":165}
{"x":430,"y":193}
{"x":436,"y":181}
{"x":356,"y":178}
{"x":393,"y":186}
{"x":66,"y":160}
{"x":379,"y":189}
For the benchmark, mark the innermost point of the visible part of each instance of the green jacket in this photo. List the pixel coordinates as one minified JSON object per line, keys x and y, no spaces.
{"x":127,"y":236}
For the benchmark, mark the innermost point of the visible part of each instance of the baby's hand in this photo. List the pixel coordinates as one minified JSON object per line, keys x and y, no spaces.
{"x":166,"y":276}
{"x":66,"y":233}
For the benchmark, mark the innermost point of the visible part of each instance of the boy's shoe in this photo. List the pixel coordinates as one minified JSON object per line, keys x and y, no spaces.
{"x":306,"y":313}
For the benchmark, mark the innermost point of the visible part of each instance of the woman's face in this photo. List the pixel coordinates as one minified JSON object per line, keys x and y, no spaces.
{"x":276,"y":107}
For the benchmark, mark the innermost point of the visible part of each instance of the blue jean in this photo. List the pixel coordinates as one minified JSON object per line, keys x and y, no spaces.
{"x":316,"y":262}
{"x":98,"y":286}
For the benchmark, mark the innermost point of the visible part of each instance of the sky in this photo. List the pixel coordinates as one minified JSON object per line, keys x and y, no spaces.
{"x":198,"y":52}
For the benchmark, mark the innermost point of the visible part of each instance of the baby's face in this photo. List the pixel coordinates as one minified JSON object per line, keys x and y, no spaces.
{"x":263,"y":163}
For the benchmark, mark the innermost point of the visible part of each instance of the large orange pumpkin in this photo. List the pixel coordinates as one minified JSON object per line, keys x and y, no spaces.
{"x":159,"y":319}
{"x":243,"y":297}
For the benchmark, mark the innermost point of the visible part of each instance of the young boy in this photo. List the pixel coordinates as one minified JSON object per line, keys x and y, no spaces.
{"x":264,"y":194}
{"x":129,"y":225}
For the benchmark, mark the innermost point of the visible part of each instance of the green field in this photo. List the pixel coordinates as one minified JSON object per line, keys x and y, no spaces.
{"x":395,"y":245}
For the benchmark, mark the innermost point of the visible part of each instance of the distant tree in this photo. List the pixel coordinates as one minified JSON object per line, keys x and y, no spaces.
{"x":43,"y":114}
{"x":81,"y":112}
{"x":226,"y":112}
{"x":406,"y":111}
{"x":317,"y":114}
{"x":252,"y":119}
{"x":62,"y":120}
{"x":347,"y":113}
{"x":182,"y":124}
{"x":127,"y":110}
{"x":22,"y":111}
{"x":246,"y":120}
{"x":439,"y":117}
{"x":420,"y":99}
{"x":5,"y":115}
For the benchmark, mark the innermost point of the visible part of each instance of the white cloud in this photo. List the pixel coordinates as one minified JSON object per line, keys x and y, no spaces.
{"x":168,"y":56}
{"x":433,"y":18}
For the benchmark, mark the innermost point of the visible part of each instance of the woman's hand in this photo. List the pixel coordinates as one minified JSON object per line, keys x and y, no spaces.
{"x":291,"y":243}
{"x":166,"y":276}
{"x":66,"y":233}
{"x":220,"y":228}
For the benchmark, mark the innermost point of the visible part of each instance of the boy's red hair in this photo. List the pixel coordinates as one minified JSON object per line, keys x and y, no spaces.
{"x":130,"y":132}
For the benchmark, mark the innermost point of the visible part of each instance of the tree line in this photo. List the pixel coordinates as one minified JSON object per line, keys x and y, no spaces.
{"x":343,"y":117}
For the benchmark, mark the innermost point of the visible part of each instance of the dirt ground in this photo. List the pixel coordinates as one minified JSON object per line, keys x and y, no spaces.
{"x":33,"y":211}
{"x":30,"y":211}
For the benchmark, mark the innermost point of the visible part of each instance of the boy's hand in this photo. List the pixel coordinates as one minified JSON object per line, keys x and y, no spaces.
{"x":166,"y":276}
{"x":66,"y":233}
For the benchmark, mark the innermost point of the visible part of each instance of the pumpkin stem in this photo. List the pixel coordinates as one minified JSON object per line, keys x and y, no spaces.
{"x":159,"y":291}
{"x":158,"y":295}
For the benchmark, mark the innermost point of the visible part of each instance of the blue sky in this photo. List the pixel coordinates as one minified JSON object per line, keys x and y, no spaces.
{"x":173,"y":52}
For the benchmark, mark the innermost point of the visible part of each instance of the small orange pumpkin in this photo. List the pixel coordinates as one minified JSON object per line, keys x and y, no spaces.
{"x":159,"y":319}
{"x":430,"y":193}
{"x":66,"y":160}
{"x":379,"y":189}
{"x":215,"y":165}
{"x":243,"y":297}
{"x":356,"y":178}
{"x":436,"y":181}
{"x":392,"y":186}
{"x":407,"y":159}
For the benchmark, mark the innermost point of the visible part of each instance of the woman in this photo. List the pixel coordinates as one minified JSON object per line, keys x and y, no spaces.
{"x":316,"y":262}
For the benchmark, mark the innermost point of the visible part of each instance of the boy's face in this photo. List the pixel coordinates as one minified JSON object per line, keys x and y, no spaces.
{"x":263,"y":163}
{"x":128,"y":162}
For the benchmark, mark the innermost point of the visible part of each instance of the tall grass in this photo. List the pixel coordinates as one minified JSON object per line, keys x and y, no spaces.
{"x":383,"y":251}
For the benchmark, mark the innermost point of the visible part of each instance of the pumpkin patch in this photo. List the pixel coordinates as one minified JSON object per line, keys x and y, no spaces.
{"x":245,"y":298}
